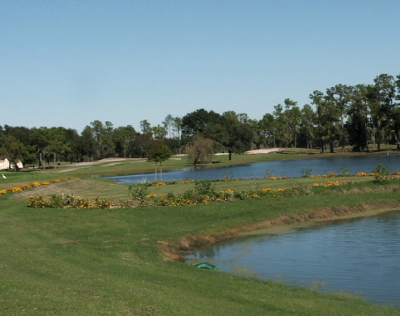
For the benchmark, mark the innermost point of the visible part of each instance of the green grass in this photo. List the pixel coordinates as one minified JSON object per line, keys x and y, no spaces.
{"x":106,"y":262}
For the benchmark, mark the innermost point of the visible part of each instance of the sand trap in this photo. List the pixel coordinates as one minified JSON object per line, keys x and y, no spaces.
{"x":263,"y":151}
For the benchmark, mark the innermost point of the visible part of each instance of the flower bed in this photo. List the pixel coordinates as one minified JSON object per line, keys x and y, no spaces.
{"x":27,"y":186}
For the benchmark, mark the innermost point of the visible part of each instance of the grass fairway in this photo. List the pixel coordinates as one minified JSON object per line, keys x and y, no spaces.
{"x":107,"y":262}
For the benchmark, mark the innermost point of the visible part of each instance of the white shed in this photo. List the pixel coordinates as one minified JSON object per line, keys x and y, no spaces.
{"x":4,"y":164}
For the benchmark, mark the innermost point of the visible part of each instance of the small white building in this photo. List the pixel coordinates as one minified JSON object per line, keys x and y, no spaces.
{"x":4,"y":164}
{"x":20,"y":165}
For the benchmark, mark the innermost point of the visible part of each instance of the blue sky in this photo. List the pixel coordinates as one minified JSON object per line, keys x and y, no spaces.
{"x":68,"y":63}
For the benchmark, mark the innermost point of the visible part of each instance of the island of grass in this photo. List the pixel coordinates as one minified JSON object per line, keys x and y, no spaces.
{"x":127,"y":261}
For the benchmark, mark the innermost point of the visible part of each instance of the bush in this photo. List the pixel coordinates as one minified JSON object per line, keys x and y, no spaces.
{"x":57,"y":201}
{"x":204,"y":187}
{"x":306,"y":172}
{"x":381,"y":174}
{"x":139,"y":191}
{"x":38,"y":202}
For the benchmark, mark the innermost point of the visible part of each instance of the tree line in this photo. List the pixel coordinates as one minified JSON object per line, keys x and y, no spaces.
{"x":356,"y":116}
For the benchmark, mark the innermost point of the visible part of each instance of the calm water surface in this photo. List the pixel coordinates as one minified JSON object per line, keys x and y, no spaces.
{"x":278,"y":168}
{"x":361,"y":257}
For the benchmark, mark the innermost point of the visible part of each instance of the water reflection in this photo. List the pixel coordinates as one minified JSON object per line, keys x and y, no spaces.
{"x":360,"y":257}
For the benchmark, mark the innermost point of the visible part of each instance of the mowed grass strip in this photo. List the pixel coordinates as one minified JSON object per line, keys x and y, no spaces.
{"x":107,"y":262}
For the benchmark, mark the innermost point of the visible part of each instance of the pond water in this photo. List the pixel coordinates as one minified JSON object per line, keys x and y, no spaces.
{"x":292,"y":168}
{"x":361,"y":257}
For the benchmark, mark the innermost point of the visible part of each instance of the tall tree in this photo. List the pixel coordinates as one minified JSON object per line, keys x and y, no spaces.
{"x":395,"y":113}
{"x":159,"y":132}
{"x":195,"y":123}
{"x":145,"y":127}
{"x":357,"y":124}
{"x":177,"y":127}
{"x":268,"y":127}
{"x":280,"y":127}
{"x":41,"y":140}
{"x":307,"y":125}
{"x":123,"y":138}
{"x":168,"y":125}
{"x":87,"y":144}
{"x":292,"y":116}
{"x":98,"y":133}
{"x":340,"y":97}
{"x":57,"y":143}
{"x":381,"y":101}
{"x":327,"y":118}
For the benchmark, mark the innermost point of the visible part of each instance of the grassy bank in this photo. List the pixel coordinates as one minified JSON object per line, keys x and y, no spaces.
{"x":110,"y":262}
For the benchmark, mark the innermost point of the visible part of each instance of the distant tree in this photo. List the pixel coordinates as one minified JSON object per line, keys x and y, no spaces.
{"x":145,"y":127}
{"x":201,"y":150}
{"x":108,"y":146}
{"x":395,"y":124}
{"x":71,"y":150}
{"x":357,"y":124}
{"x":307,"y":128}
{"x":140,"y":145}
{"x":87,"y":144}
{"x":395,"y":113}
{"x":340,"y":97}
{"x":57,"y":143}
{"x":279,"y":125}
{"x":292,"y":121}
{"x":168,"y":125}
{"x":326,"y":117}
{"x":41,"y":140}
{"x":268,"y":128}
{"x":195,"y":123}
{"x":257,"y":138}
{"x":103,"y":139}
{"x":123,"y":138}
{"x":159,"y":132}
{"x":159,"y":153}
{"x":177,"y":127}
{"x":98,"y":133}
{"x":240,"y":137}
{"x":381,"y":101}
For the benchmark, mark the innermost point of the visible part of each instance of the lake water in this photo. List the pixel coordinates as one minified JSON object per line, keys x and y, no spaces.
{"x":361,"y":257}
{"x":277,"y":168}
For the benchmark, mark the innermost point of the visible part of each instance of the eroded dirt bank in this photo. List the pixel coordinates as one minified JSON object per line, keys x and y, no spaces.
{"x":282,"y":224}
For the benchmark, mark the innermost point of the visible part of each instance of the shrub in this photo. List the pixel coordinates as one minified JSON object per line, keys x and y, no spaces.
{"x":188,"y":195}
{"x":306,"y":172}
{"x":381,"y":174}
{"x":204,"y":187}
{"x":57,"y":201}
{"x":139,"y":191}
{"x":38,"y":202}
{"x":103,"y":203}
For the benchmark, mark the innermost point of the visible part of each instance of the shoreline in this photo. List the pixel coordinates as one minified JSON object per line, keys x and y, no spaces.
{"x":320,"y":222}
{"x":282,"y":225}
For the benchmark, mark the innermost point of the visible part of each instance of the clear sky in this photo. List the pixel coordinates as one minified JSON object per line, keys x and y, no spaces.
{"x":68,"y":63}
